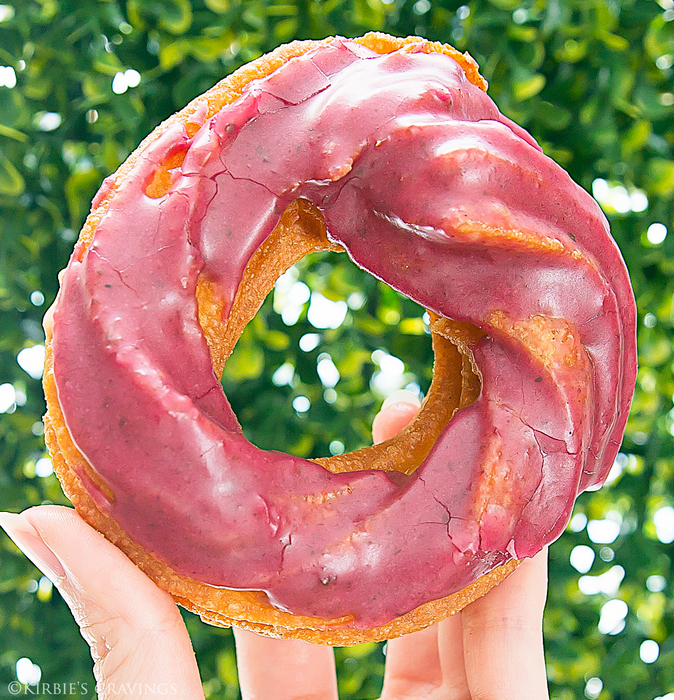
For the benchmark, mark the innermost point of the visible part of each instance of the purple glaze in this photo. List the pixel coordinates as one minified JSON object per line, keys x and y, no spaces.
{"x":401,"y":153}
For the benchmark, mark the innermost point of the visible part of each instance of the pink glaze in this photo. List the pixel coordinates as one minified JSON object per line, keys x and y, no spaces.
{"x":397,"y":151}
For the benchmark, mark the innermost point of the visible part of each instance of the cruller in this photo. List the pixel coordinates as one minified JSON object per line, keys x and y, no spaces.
{"x":391,"y":150}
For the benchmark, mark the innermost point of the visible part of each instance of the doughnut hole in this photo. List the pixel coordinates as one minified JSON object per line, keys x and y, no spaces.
{"x":300,"y":233}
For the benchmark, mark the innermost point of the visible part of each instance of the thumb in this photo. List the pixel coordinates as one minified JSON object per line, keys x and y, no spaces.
{"x":135,"y":632}
{"x":396,"y":413}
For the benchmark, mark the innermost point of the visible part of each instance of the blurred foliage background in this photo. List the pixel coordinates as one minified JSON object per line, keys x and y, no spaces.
{"x":82,"y":81}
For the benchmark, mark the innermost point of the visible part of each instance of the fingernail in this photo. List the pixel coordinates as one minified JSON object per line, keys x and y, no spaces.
{"x":28,"y":540}
{"x":401,"y":396}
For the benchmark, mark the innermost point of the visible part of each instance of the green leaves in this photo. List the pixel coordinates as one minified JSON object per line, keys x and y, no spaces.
{"x":175,"y":16}
{"x":661,"y":176}
{"x":528,"y":87}
{"x":11,"y":181}
{"x":80,"y":188}
{"x":217,"y":6}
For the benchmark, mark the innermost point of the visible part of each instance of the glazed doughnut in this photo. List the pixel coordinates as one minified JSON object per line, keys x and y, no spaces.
{"x":391,"y":150}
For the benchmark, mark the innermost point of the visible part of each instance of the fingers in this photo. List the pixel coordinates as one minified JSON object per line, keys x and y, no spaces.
{"x":503,"y":637}
{"x":427,"y":664}
{"x":494,"y":649}
{"x":397,"y":412}
{"x":450,"y":641}
{"x":133,"y":628}
{"x":413,"y":667}
{"x":282,"y":669}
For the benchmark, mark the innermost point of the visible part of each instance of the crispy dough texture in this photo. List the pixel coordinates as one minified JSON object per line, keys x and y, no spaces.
{"x":299,"y":233}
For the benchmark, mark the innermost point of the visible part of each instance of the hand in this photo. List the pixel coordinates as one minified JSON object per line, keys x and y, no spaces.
{"x":493,"y":649}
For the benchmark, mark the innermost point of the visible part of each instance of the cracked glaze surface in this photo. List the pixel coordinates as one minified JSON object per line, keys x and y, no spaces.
{"x":429,"y":188}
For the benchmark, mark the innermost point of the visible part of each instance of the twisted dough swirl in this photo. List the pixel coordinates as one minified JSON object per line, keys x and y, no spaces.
{"x":427,"y":186}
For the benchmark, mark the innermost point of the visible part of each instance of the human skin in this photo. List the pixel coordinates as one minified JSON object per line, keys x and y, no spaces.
{"x":492,"y":650}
